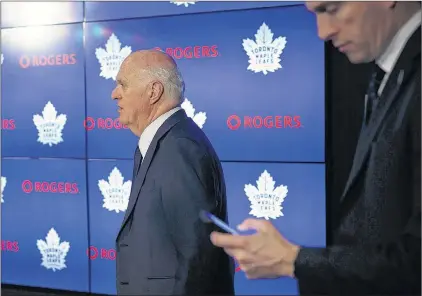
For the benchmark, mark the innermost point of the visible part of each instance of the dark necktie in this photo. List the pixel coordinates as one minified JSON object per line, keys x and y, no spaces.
{"x":137,"y":162}
{"x":374,"y":85}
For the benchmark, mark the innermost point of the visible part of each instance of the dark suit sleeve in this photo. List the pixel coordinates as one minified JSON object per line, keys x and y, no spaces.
{"x":183,"y":196}
{"x":392,"y":268}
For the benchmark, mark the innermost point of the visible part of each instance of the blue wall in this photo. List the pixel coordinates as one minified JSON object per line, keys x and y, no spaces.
{"x":254,"y":75}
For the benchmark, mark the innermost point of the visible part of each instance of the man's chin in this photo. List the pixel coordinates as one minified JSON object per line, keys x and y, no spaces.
{"x":357,"y":58}
{"x":123,"y":121}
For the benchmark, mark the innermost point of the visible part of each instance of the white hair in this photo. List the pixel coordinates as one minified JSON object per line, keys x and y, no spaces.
{"x":174,"y":86}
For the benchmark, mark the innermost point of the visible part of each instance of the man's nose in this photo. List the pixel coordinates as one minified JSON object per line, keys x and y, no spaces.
{"x":114,"y":94}
{"x":326,"y":28}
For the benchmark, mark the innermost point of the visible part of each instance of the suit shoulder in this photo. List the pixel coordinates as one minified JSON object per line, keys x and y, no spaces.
{"x":179,"y":144}
{"x":187,"y":134}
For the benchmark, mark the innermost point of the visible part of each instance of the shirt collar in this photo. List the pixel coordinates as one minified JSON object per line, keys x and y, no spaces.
{"x":150,"y":131}
{"x":390,"y":56}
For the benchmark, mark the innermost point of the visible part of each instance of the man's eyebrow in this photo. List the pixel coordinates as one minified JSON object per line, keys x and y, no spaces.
{"x":321,"y":8}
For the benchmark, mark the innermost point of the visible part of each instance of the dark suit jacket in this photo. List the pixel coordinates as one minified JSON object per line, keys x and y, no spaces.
{"x":163,"y":248}
{"x":377,"y":248}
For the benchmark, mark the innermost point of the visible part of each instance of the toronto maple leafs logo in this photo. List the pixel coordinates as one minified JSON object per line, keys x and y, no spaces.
{"x":111,"y":57}
{"x":265,"y":199}
{"x":115,"y":192}
{"x":50,"y":126}
{"x":199,"y":118}
{"x":53,"y":251}
{"x":3,"y":182}
{"x":264,"y":53}
{"x":184,"y":3}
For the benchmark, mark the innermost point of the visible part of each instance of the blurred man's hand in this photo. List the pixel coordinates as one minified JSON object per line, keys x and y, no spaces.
{"x":265,"y":254}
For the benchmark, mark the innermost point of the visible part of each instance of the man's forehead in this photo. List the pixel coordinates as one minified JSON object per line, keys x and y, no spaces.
{"x":119,"y":75}
{"x":122,"y":76}
{"x":126,"y":68}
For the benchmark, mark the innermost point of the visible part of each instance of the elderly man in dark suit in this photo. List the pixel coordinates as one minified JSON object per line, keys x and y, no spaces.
{"x":377,"y":247}
{"x":162,"y":247}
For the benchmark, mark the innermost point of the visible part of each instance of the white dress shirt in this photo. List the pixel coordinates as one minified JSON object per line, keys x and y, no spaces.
{"x":389,"y":58}
{"x":150,"y":131}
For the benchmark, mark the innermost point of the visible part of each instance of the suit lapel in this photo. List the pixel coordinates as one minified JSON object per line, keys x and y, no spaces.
{"x":138,"y":182}
{"x":402,"y":72}
{"x":137,"y":162}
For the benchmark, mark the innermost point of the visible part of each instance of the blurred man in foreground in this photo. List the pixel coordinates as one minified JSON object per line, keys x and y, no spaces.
{"x":162,"y":247}
{"x":377,"y":247}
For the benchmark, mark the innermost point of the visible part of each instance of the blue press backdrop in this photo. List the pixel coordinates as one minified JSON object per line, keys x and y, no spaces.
{"x":67,"y":161}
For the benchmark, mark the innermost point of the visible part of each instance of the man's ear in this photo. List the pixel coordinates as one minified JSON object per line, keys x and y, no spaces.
{"x":156,"y":92}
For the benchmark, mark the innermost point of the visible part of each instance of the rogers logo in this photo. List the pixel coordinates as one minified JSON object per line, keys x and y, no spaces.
{"x":103,"y":123}
{"x":9,"y":246}
{"x":192,"y":52}
{"x":8,"y":124}
{"x":105,"y":254}
{"x":26,"y":61}
{"x":51,"y":187}
{"x":234,"y":122}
